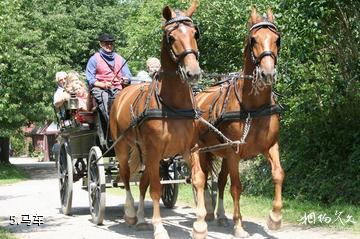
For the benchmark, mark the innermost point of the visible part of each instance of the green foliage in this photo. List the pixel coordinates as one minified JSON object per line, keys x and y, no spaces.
{"x":318,"y":73}
{"x":39,"y":38}
{"x":18,"y":145}
{"x":5,"y":234}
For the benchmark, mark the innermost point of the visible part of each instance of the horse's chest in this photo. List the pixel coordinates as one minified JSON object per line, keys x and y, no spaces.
{"x":174,"y":132}
{"x":257,"y":135}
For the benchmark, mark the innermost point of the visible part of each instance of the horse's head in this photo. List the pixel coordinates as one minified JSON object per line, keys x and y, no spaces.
{"x":263,"y":46}
{"x":180,"y":39}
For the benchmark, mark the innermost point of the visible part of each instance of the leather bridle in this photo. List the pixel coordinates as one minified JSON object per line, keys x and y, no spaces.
{"x":271,"y":26}
{"x":178,"y":58}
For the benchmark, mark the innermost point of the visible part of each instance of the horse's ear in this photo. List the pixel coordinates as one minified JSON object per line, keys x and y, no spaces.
{"x":167,"y":13}
{"x":192,"y":8}
{"x":270,"y":15}
{"x":253,"y":15}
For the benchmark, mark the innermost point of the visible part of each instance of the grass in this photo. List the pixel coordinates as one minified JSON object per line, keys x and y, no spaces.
{"x":294,"y":212}
{"x":11,"y":174}
{"x":5,"y":234}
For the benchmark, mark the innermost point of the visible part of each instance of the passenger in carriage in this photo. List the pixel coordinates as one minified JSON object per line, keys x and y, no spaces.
{"x":60,"y":96}
{"x":152,"y":66}
{"x":106,"y":73}
{"x":76,"y":86}
{"x":80,"y":91}
{"x":70,"y":79}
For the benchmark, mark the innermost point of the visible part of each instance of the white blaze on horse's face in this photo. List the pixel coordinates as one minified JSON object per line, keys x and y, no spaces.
{"x":266,"y":40}
{"x":184,"y":45}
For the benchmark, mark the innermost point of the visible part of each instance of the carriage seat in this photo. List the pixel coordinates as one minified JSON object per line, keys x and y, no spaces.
{"x":86,"y":117}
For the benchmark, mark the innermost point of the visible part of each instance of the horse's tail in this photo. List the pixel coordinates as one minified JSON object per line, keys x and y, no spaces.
{"x":211,"y":164}
{"x":135,"y":162}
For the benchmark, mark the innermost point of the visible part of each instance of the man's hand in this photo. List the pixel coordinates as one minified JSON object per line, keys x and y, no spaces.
{"x":103,"y":85}
{"x":125,"y":80}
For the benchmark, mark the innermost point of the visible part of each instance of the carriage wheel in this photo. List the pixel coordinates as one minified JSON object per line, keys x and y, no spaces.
{"x":65,"y":175}
{"x":96,"y":185}
{"x":169,"y":171}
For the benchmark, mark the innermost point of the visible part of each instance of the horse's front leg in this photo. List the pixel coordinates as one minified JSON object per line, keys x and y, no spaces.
{"x":274,"y":219}
{"x":141,"y":224}
{"x":152,"y":166}
{"x":198,"y":181}
{"x":236,"y":189}
{"x":121,"y":150}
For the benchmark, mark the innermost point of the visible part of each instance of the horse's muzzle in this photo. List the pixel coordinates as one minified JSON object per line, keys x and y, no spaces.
{"x":190,"y":75}
{"x":268,"y":77}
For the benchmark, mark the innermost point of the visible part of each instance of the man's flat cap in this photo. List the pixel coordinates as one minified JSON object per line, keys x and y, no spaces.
{"x":106,"y":37}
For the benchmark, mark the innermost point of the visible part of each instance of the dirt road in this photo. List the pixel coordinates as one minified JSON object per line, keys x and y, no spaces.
{"x":37,"y":200}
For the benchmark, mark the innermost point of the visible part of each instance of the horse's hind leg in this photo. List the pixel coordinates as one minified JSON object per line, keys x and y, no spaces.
{"x":222,"y":179}
{"x":198,"y":181}
{"x":236,"y":189}
{"x":274,"y":220}
{"x":144,"y":183}
{"x":153,"y":165}
{"x":122,"y":154}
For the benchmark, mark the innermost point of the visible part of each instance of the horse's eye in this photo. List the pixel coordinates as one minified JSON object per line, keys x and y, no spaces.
{"x":278,"y":42}
{"x":197,"y":33}
{"x":252,"y":41}
{"x":170,"y":39}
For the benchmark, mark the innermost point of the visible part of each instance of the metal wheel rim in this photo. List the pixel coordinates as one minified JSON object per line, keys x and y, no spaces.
{"x":65,"y":175}
{"x":96,"y":186}
{"x":170,"y":191}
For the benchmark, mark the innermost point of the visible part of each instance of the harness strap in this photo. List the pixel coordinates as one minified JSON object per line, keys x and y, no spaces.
{"x":243,"y":114}
{"x":178,"y":19}
{"x":263,"y":24}
{"x":213,"y":103}
{"x":226,"y":100}
{"x":165,"y":113}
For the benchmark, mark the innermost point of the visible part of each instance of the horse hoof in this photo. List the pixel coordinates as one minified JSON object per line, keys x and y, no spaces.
{"x":199,"y":230}
{"x":274,"y":222}
{"x":223,"y":222}
{"x":161,"y":235}
{"x":130,"y":220}
{"x":210,"y":217}
{"x":240,"y":233}
{"x":143,"y":226}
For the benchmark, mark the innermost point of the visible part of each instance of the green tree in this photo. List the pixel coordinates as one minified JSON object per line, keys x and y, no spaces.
{"x":39,"y":38}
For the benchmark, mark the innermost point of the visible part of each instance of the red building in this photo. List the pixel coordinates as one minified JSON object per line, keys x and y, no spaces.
{"x":43,"y":138}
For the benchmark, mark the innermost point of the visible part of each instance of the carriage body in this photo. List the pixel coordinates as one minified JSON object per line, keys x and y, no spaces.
{"x":80,"y":157}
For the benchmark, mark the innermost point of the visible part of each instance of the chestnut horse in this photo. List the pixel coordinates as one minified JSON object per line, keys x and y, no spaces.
{"x":244,"y":110}
{"x":156,"y":121}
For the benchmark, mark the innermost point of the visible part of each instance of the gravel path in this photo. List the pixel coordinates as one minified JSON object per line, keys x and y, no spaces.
{"x":39,"y":198}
